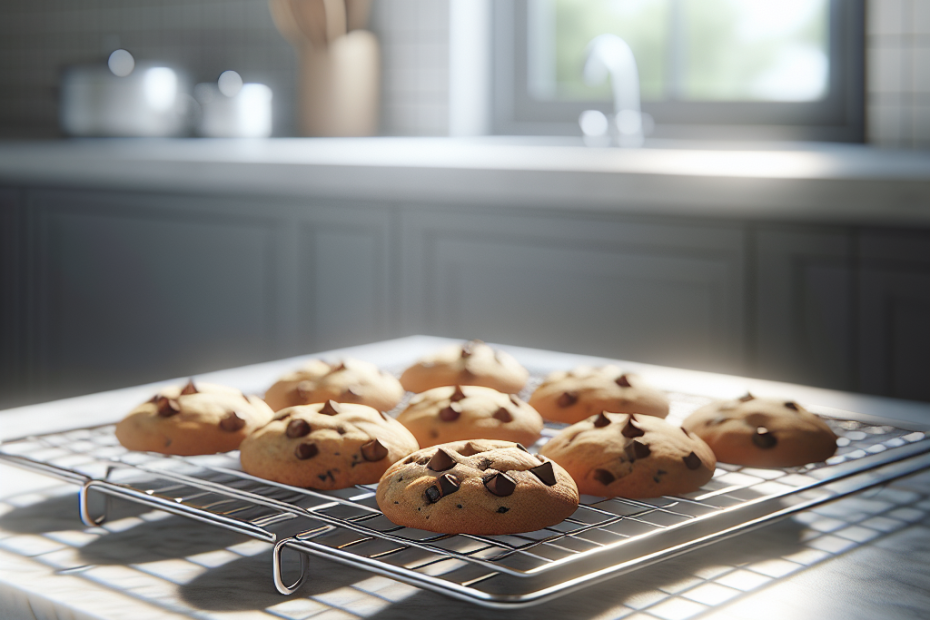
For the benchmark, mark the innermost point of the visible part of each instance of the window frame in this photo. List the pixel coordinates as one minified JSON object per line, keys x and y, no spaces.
{"x":839,"y":117}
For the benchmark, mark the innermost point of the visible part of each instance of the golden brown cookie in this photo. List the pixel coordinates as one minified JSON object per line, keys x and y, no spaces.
{"x":350,"y":381}
{"x":326,"y":446}
{"x":480,"y":487}
{"x":197,"y":418}
{"x":762,"y":432}
{"x":471,"y":363}
{"x":447,"y":414}
{"x":631,"y":455}
{"x":585,"y":391}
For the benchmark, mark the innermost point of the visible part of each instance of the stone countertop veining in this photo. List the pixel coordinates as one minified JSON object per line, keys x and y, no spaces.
{"x":843,"y":184}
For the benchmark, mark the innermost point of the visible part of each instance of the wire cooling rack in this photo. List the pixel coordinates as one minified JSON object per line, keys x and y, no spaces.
{"x":603,"y":538}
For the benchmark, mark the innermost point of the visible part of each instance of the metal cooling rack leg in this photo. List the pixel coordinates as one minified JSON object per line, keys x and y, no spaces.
{"x":278,"y":570}
{"x":83,"y":498}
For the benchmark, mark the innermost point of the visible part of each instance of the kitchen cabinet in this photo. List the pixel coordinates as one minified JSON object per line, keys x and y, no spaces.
{"x":11,"y":283}
{"x":130,"y":287}
{"x":628,"y":288}
{"x":894,"y":313}
{"x":804,"y":305}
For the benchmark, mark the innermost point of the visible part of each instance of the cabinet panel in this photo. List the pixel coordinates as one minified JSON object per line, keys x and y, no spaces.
{"x":12,"y":360}
{"x":804,"y":327}
{"x":653,"y":293}
{"x":345,"y":276}
{"x":129,"y":293}
{"x":894,"y":325}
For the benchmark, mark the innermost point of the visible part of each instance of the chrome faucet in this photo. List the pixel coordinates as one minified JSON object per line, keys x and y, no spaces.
{"x":609,"y":55}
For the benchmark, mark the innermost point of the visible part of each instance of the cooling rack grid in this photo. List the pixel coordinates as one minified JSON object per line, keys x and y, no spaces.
{"x":602,"y":539}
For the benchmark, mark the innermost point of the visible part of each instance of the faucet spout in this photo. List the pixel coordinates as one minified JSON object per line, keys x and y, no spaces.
{"x":608,"y":55}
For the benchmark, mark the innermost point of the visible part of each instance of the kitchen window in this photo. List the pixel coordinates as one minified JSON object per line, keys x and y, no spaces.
{"x":709,"y":69}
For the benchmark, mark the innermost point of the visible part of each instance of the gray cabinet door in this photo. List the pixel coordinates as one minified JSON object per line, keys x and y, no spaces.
{"x":128,"y":288}
{"x":12,"y":344}
{"x":630,"y":289}
{"x":803,"y":306}
{"x":894,"y":318}
{"x":134,"y":288}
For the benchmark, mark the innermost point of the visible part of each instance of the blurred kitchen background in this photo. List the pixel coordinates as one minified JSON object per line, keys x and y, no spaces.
{"x":162,"y":270}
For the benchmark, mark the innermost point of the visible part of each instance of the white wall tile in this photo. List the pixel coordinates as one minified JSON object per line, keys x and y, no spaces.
{"x":885,"y":71}
{"x":886,"y":17}
{"x":920,"y":17}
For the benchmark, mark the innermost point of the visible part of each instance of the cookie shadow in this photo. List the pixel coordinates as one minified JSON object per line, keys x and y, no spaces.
{"x":246,"y":584}
{"x":637,"y":589}
{"x":61,"y":513}
{"x":167,"y":538}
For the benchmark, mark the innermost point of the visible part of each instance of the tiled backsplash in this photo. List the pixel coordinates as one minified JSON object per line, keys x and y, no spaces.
{"x":204,"y":37}
{"x":898,"y":72}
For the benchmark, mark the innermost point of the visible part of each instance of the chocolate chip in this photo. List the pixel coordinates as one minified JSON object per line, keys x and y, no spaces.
{"x":304,"y":390}
{"x":746,"y":398}
{"x":384,"y":415}
{"x":441,"y":461}
{"x":448,"y":484}
{"x":330,"y":407}
{"x":433,"y":494}
{"x":764,"y":438}
{"x":374,"y":450}
{"x":457,"y":395}
{"x":485,"y":463}
{"x":567,"y":399}
{"x":503,"y":415}
{"x":155,"y":398}
{"x":692,"y":461}
{"x":337,"y":367}
{"x":516,"y":401}
{"x":630,"y":430}
{"x":685,"y":431}
{"x":232,"y":422}
{"x":168,"y":407}
{"x":792,"y":405}
{"x":306,"y":451}
{"x":637,"y":450}
{"x":502,"y":509}
{"x":500,"y":484}
{"x":297,"y":428}
{"x":520,"y":446}
{"x":190,"y":388}
{"x":545,"y":473}
{"x":603,"y":476}
{"x":450,"y":413}
{"x":601,"y":421}
{"x":350,"y":394}
{"x":623,"y":381}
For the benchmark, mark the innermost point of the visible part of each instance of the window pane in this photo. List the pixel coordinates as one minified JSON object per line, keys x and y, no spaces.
{"x":643,"y":24}
{"x":755,"y":50}
{"x":692,"y":50}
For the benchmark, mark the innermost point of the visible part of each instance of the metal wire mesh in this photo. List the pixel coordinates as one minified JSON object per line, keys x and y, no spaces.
{"x":603,"y":537}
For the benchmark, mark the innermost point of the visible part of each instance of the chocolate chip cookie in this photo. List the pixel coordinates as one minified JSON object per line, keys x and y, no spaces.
{"x":631,"y":455}
{"x":349,"y":381}
{"x":585,"y":391}
{"x":197,"y":418}
{"x":762,"y":432}
{"x":447,"y":414}
{"x":471,"y":363}
{"x":480,"y":487}
{"x":326,"y":446}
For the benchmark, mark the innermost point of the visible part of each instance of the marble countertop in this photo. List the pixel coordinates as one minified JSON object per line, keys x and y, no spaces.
{"x":865,"y":556}
{"x":811,"y":182}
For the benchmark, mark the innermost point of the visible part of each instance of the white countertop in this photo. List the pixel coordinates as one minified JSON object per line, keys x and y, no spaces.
{"x":812,"y":182}
{"x":860,"y":557}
